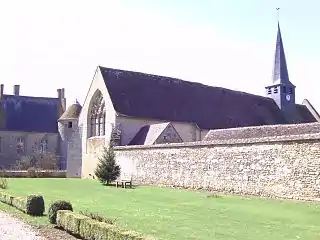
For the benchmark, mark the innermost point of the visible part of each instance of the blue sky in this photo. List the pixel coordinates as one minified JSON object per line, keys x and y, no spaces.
{"x":47,"y":45}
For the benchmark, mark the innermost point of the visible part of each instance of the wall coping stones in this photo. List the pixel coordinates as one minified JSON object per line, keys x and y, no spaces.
{"x":229,"y":142}
{"x":263,"y":131}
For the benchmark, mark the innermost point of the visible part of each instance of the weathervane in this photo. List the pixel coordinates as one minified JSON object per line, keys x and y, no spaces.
{"x":278,"y":13}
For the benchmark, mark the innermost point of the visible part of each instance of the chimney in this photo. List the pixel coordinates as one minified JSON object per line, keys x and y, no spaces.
{"x":62,"y":99}
{"x":62,"y":93}
{"x":59,"y":93}
{"x":16,"y":90}
{"x":1,"y":91}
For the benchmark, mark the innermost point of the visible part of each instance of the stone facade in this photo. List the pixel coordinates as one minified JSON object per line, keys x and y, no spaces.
{"x":90,"y":156}
{"x":74,"y":154}
{"x":91,"y":146}
{"x":285,"y":167}
{"x":19,"y":145}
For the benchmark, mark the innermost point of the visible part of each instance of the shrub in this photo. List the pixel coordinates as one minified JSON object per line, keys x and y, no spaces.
{"x":32,"y":172}
{"x":88,"y":228}
{"x":55,"y":206}
{"x":107,"y":169}
{"x":98,"y":217}
{"x":3,"y":183}
{"x":35,"y":205}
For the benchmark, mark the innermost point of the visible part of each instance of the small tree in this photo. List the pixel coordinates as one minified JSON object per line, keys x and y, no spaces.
{"x":107,"y":169}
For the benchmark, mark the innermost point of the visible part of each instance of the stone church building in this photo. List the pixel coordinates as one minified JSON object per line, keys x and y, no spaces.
{"x":136,"y":108}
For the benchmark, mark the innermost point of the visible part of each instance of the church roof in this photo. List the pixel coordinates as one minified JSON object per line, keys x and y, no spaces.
{"x":144,"y":95}
{"x":304,"y":113}
{"x":29,"y":114}
{"x":72,"y":112}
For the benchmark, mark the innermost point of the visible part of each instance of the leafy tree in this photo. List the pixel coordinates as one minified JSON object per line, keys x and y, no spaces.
{"x":107,"y":169}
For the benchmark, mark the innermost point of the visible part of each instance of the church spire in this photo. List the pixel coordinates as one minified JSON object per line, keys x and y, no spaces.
{"x":280,"y":72}
{"x":281,"y":89}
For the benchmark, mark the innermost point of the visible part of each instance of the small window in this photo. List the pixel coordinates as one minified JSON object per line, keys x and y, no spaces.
{"x":290,"y":90}
{"x":20,"y":145}
{"x":284,"y":89}
{"x":69,"y":124}
{"x":275,"y":90}
{"x":43,"y":146}
{"x":269,"y":90}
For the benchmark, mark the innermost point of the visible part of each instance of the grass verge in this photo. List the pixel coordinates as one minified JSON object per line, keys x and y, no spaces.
{"x":177,"y":214}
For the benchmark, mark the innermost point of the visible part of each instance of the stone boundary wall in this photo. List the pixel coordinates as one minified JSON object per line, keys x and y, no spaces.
{"x":283,"y":167}
{"x":40,"y":174}
{"x":263,"y":131}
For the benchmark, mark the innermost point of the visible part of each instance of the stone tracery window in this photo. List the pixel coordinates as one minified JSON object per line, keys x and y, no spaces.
{"x":97,"y":116}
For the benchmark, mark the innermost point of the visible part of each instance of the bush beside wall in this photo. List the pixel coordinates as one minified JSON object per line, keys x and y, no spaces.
{"x":89,"y":228}
{"x":38,"y":174}
{"x":31,"y":205}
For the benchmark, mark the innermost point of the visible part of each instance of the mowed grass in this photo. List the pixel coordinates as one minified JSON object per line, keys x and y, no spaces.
{"x":178,"y":214}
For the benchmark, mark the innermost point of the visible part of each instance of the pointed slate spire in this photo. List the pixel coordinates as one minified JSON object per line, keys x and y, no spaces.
{"x":280,"y":72}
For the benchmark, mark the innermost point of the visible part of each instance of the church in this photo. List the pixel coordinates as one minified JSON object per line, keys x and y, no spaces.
{"x":133,"y":108}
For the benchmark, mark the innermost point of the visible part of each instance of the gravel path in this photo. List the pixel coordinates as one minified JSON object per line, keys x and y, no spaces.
{"x":14,"y":229}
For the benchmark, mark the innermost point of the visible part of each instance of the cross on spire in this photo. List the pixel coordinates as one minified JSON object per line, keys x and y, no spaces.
{"x":278,"y":14}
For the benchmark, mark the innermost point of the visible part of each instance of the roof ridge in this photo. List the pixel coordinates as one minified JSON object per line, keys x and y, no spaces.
{"x":184,"y":81}
{"x":34,"y":97}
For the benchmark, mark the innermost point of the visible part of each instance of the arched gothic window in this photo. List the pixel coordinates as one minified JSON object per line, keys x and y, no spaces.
{"x":97,"y":116}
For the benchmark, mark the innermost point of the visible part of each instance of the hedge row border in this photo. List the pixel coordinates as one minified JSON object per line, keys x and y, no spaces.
{"x":32,"y":205}
{"x":88,"y":228}
{"x":72,"y":222}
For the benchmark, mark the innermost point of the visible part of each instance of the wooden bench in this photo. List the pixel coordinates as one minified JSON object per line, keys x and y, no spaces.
{"x":124,"y":181}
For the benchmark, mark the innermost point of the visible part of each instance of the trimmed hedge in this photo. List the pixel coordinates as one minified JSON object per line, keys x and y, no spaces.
{"x":88,"y":228}
{"x":32,"y":205}
{"x":55,"y":206}
{"x":35,"y":205}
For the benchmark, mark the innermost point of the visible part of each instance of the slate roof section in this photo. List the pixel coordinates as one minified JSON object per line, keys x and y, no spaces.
{"x":29,"y":114}
{"x":148,"y":134}
{"x":311,"y":109}
{"x":157,"y":97}
{"x":262,"y":131}
{"x":72,"y":112}
{"x":304,"y":113}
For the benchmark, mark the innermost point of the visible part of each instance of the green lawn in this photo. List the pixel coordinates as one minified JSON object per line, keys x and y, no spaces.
{"x":179,"y":214}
